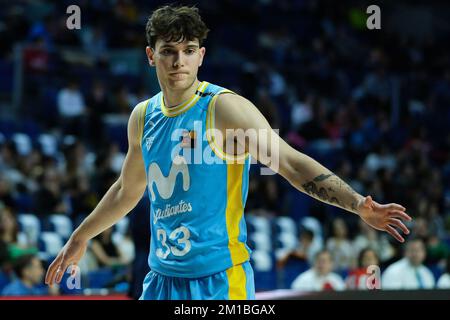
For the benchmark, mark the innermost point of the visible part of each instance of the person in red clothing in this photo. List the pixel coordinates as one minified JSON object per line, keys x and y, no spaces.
{"x":357,"y":278}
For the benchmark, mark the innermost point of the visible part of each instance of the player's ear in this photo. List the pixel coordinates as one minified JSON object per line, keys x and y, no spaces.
{"x":150,"y":55}
{"x":202,"y":51}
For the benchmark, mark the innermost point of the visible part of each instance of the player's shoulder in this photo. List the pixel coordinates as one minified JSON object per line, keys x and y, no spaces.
{"x":229,"y":99}
{"x":230,"y":105}
{"x":139,"y":109}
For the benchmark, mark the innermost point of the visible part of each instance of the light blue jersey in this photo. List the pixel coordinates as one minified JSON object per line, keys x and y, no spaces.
{"x":197,"y":193}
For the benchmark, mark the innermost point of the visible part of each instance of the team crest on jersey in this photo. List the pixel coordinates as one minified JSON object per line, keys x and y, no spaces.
{"x":188,"y":139}
{"x":149,"y":142}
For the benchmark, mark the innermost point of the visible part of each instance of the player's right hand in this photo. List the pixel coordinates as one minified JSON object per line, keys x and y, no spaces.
{"x":70,"y":254}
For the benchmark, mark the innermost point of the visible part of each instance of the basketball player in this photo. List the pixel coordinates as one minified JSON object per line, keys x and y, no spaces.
{"x":198,"y":234}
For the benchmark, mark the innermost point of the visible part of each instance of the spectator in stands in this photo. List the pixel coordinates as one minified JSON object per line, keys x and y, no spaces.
{"x":320,"y":277}
{"x":106,"y":251}
{"x":29,"y":272}
{"x":339,"y":245}
{"x":98,"y":106}
{"x":357,"y":278}
{"x":306,"y":250}
{"x":49,"y":198}
{"x":6,"y":193}
{"x":444,"y":280}
{"x":369,"y":238}
{"x":82,"y":199}
{"x":409,"y":272}
{"x":437,"y":250}
{"x":9,"y":230}
{"x":72,"y":108}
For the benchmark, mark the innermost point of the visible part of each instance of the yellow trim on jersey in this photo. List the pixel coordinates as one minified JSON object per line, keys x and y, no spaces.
{"x":185,"y":106}
{"x":237,"y":283}
{"x":210,"y":126}
{"x":141,"y":120}
{"x":234,"y":213}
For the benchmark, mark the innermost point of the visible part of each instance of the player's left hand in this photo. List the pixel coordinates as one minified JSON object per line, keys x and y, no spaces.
{"x":384,"y":217}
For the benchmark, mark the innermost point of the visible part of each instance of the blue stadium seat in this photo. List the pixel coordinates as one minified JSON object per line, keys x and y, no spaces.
{"x":290,"y":271}
{"x":4,"y":280}
{"x":64,"y":286}
{"x":263,"y":264}
{"x":261,"y":241}
{"x":99,"y":278}
{"x":436,"y":270}
{"x":48,"y":144}
{"x":23,"y":143}
{"x":49,"y":244}
{"x":122,"y":225}
{"x":30,"y":225}
{"x":285,"y":225}
{"x":259,"y":223}
{"x":286,"y":240}
{"x":60,"y":224}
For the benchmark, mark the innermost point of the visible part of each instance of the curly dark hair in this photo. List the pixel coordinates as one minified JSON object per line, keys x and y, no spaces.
{"x":172,"y":23}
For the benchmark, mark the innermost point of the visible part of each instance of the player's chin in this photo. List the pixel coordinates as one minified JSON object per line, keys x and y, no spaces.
{"x":179,"y":83}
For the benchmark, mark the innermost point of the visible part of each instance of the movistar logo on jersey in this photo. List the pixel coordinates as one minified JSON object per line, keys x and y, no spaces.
{"x":166,"y":185}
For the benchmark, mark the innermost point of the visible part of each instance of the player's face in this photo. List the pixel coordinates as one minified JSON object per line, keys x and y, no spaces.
{"x":176,"y":63}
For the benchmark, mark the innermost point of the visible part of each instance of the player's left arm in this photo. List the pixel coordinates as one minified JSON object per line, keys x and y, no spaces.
{"x":303,"y":172}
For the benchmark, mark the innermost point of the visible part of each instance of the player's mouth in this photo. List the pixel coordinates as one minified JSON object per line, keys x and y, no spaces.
{"x":178,"y":75}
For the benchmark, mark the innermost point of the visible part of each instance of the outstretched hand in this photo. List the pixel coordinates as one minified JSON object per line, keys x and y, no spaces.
{"x":70,"y":254}
{"x":384,"y":217}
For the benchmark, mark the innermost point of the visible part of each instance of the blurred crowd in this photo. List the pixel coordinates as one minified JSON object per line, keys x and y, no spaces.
{"x":373,"y":107}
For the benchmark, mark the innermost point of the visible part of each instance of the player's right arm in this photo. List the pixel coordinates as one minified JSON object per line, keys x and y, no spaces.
{"x":121,"y":197}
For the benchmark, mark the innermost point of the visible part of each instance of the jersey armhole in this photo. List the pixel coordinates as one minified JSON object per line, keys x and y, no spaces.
{"x":210,"y":128}
{"x":141,"y":119}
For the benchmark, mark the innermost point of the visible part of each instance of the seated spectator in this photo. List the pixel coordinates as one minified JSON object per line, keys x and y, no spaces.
{"x":368,"y":237}
{"x":12,"y":249}
{"x":437,"y":250}
{"x":72,"y":109}
{"x":305,"y":251}
{"x":29,"y":272}
{"x":320,"y":277}
{"x":340,"y":246}
{"x":49,"y":198}
{"x":105,"y":250}
{"x":409,"y":272}
{"x":444,"y":280}
{"x":357,"y":278}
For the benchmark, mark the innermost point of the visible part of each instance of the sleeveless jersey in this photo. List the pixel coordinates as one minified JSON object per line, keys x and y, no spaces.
{"x":197,"y":192}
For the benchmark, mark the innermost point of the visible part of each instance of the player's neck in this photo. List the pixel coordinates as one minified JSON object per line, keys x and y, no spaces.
{"x":173,"y":98}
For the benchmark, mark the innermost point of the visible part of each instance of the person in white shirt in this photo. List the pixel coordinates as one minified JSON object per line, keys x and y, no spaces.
{"x":340,"y":246}
{"x":72,"y":109}
{"x":320,"y":277}
{"x":409,"y":272}
{"x":444,"y":280}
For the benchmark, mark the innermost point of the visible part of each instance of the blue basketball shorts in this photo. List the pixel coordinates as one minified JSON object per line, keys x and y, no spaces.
{"x":235,"y":283}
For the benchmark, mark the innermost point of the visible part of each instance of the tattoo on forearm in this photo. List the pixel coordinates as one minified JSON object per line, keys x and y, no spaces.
{"x":323,"y":177}
{"x":312,"y":188}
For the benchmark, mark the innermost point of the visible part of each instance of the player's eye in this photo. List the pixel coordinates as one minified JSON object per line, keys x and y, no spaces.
{"x":190,"y":51}
{"x":166,"y":52}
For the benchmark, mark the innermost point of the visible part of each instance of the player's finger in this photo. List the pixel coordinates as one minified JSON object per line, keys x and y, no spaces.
{"x":61,"y":269}
{"x":401,"y":215}
{"x":394,"y":233}
{"x":73,"y":269}
{"x":49,"y":277}
{"x":399,"y":224}
{"x":394,"y":206}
